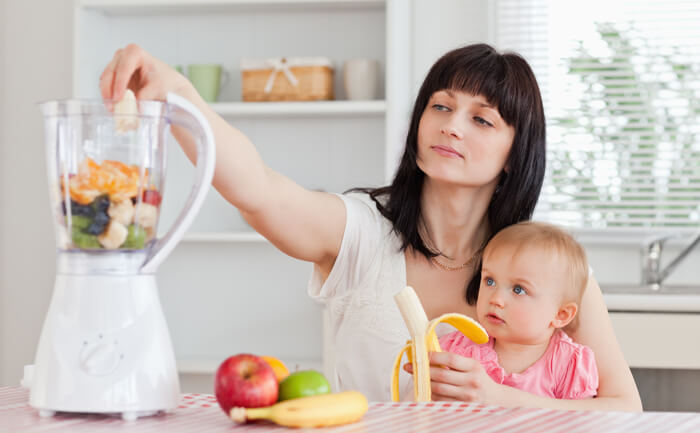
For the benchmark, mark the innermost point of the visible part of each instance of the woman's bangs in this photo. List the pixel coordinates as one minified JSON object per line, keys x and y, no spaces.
{"x":486,"y":78}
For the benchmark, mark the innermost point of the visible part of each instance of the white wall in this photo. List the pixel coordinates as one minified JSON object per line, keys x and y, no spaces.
{"x":36,"y":59}
{"x":3,"y":65}
{"x":442,"y":26}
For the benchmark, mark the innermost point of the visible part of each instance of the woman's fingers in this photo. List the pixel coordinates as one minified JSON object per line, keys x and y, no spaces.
{"x":107,"y":77}
{"x":131,"y":60}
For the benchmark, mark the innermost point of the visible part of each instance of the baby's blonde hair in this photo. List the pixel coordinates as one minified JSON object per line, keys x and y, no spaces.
{"x":555,"y":241}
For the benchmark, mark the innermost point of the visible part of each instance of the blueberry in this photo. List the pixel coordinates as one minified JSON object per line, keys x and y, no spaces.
{"x":98,"y":223}
{"x":101,"y":203}
{"x":80,"y":209}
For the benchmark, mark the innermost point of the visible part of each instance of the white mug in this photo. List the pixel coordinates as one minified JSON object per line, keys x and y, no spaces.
{"x":361,"y":79}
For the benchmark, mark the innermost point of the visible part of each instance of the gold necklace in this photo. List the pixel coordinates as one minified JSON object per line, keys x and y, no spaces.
{"x":456,"y":268}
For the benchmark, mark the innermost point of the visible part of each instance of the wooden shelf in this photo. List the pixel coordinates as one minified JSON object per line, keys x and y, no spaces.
{"x":242,"y":236}
{"x":151,"y":7}
{"x":300,"y":109}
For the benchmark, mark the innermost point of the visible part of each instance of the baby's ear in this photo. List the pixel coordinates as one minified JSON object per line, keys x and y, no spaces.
{"x":565,"y":315}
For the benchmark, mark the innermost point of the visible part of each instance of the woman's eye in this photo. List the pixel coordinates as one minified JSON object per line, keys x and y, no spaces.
{"x":439,"y":107}
{"x":518,"y":290}
{"x":482,"y":121}
{"x":489,"y":281}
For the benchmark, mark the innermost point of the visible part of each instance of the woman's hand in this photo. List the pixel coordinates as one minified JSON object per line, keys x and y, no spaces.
{"x":146,"y":76}
{"x":464,"y":379}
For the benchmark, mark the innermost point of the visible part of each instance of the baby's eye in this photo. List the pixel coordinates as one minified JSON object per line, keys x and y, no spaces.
{"x":489,"y":281}
{"x":482,"y":121}
{"x":439,"y":107}
{"x":518,"y":290}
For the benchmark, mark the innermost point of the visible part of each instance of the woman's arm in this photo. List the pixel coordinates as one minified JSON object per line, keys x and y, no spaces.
{"x":304,"y":224}
{"x":466,"y":379}
{"x":617,"y":389}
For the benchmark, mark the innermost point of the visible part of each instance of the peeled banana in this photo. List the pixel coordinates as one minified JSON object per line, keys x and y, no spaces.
{"x":323,"y":410}
{"x":126,"y":113}
{"x":424,"y":340}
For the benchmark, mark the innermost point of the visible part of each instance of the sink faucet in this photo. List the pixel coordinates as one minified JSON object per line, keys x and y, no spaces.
{"x":652,"y":274}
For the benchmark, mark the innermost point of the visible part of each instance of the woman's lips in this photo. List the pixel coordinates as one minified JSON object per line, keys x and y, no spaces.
{"x":447,"y":151}
{"x":494,"y":319}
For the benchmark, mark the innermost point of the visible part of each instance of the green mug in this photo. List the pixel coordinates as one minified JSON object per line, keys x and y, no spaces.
{"x":206,"y":79}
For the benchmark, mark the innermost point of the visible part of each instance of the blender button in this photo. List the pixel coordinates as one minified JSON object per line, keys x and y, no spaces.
{"x":99,"y":359}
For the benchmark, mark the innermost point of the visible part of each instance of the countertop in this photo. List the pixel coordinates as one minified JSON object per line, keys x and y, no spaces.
{"x":200,"y":413}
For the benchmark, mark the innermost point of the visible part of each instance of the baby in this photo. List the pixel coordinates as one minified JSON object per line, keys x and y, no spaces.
{"x":532,"y":278}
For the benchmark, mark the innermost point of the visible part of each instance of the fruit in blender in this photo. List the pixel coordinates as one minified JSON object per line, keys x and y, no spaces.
{"x":151,"y":196}
{"x":122,"y":211}
{"x":303,"y":384}
{"x":135,"y":238}
{"x":114,"y":236}
{"x":245,"y":380}
{"x":84,"y":240}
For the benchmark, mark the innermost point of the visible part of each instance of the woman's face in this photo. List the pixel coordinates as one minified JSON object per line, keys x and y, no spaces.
{"x":463,"y":140}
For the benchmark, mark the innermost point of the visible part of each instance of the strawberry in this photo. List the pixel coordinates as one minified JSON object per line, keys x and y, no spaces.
{"x":151,"y":196}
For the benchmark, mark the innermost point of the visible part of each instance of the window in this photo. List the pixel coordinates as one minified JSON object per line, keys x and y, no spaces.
{"x":621,"y":87}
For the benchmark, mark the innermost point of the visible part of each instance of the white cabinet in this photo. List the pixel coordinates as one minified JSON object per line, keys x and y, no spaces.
{"x":225,"y":289}
{"x":658,"y":340}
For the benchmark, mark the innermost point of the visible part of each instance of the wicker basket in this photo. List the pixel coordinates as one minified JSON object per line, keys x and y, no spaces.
{"x":287,"y":79}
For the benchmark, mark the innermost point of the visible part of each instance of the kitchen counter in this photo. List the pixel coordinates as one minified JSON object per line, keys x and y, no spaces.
{"x":672,"y":299}
{"x":200,"y":413}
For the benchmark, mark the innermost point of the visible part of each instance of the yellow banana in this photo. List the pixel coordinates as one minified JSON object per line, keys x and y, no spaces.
{"x":315,"y":411}
{"x":424,"y":340}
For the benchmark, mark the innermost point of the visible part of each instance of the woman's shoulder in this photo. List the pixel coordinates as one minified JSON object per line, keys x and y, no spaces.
{"x":362,"y":210}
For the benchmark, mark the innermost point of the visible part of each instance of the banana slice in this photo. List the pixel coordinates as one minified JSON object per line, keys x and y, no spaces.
{"x":126,"y":113}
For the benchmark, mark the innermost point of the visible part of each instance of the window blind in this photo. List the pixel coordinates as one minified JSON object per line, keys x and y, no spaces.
{"x":621,"y":88}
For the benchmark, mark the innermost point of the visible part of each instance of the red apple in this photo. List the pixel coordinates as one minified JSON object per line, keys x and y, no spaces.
{"x":245,"y":380}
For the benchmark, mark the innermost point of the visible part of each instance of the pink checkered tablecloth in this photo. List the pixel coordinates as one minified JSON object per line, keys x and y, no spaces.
{"x":200,"y":413}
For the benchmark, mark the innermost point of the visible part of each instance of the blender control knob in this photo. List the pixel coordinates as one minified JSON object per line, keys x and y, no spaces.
{"x":99,"y":358}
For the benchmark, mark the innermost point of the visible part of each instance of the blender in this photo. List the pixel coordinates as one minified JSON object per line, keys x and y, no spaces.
{"x":105,"y":346}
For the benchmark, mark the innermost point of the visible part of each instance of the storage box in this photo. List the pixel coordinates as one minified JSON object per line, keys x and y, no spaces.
{"x":287,"y":79}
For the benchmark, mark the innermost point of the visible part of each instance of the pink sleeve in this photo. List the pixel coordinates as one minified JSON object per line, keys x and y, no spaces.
{"x":580,"y":379}
{"x":457,"y":343}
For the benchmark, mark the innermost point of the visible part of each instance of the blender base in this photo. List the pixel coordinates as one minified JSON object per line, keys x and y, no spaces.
{"x":105,"y":348}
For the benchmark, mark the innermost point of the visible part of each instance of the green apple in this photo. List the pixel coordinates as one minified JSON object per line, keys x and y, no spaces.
{"x":303,"y":384}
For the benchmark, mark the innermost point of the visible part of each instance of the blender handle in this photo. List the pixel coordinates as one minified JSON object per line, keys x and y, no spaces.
{"x":206,"y":159}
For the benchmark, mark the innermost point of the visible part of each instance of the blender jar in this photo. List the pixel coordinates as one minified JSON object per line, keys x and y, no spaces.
{"x":106,"y":184}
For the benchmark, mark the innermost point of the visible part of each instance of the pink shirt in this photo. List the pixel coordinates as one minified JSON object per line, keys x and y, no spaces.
{"x":567,"y":370}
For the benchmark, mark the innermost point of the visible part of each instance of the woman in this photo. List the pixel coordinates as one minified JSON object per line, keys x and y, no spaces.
{"x":473,"y":164}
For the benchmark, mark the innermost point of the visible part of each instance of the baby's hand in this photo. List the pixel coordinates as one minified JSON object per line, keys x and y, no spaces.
{"x":457,"y":378}
{"x":149,"y":78}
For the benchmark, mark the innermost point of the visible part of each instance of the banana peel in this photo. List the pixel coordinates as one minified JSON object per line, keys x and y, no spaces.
{"x":424,"y":340}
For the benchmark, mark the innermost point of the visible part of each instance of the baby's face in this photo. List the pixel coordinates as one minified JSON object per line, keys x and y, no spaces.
{"x":520,"y":294}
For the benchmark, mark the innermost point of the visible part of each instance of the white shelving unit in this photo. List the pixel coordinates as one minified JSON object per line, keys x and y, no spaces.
{"x":226,"y":289}
{"x":300,"y":109}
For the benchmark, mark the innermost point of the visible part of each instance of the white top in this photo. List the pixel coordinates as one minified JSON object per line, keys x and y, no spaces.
{"x":366,"y":327}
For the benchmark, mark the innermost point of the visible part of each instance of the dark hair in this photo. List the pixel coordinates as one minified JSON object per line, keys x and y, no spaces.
{"x":508,"y":83}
